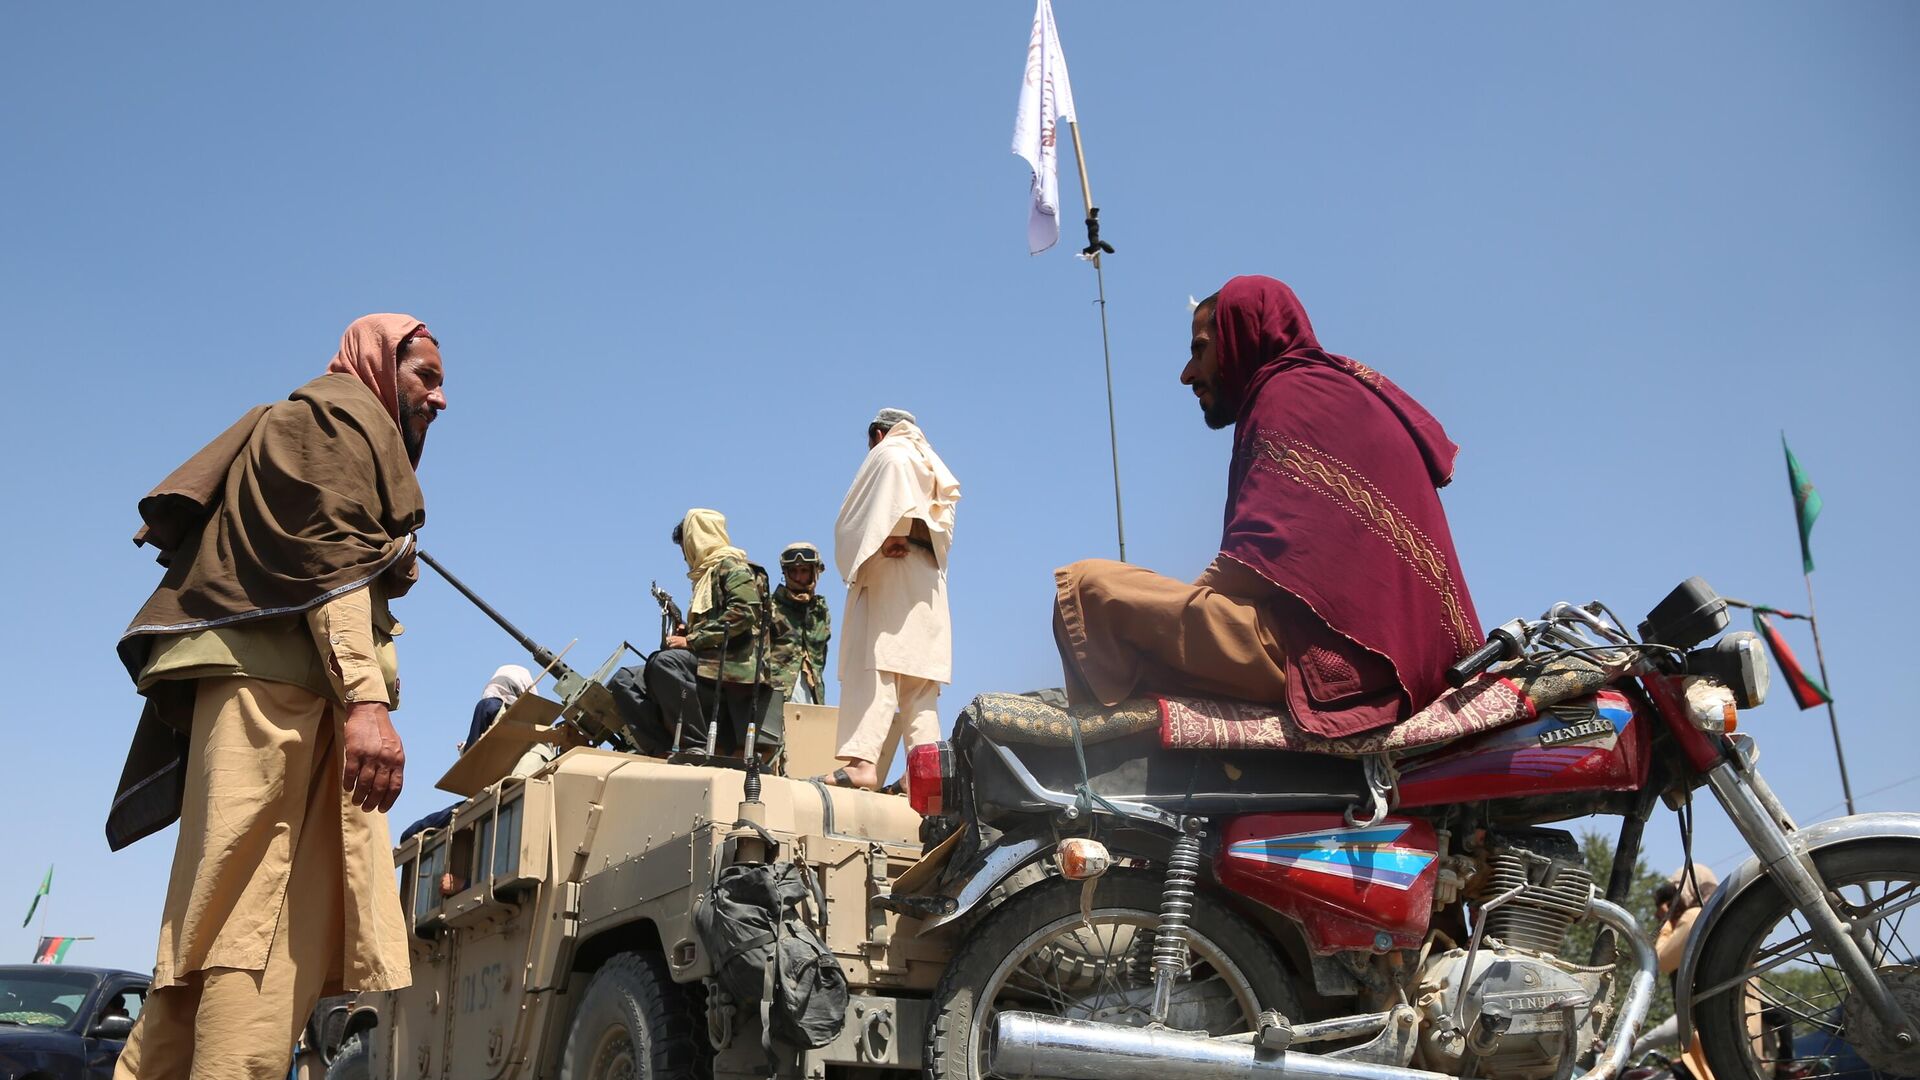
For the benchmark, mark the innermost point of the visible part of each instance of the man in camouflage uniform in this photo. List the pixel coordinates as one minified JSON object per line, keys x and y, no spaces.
{"x":801,"y":627}
{"x":717,"y":669}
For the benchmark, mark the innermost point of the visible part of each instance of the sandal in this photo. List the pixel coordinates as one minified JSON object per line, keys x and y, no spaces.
{"x":837,"y":778}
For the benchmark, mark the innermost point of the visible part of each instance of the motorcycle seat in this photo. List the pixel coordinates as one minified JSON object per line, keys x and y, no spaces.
{"x":1009,"y":778}
{"x":1045,"y":718}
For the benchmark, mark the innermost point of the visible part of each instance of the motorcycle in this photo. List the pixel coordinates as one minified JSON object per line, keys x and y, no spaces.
{"x":1127,"y":912}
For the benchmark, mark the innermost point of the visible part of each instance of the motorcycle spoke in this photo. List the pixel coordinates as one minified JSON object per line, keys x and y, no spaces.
{"x":1109,"y":969}
{"x":1816,"y":1018}
{"x":1827,"y":971}
{"x":1879,"y":916}
{"x":1054,"y":997}
{"x":1819,"y":1010}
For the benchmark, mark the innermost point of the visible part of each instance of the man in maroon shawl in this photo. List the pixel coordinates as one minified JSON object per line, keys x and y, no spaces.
{"x":1336,"y":590}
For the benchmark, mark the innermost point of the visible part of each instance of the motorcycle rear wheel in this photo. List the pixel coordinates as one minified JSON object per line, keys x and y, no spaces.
{"x":1035,"y":953}
{"x":1739,"y":1029}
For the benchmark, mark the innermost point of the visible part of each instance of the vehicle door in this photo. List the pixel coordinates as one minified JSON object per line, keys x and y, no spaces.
{"x":106,"y":1031}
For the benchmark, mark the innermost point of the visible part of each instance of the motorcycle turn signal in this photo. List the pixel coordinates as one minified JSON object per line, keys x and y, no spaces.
{"x":1082,"y":858}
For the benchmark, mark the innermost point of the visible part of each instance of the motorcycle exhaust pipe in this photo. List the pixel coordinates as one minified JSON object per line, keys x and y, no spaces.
{"x":1029,"y":1045}
{"x":1032,"y":1046}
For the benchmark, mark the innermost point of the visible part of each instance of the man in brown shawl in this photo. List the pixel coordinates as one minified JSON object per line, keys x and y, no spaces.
{"x":266,"y":659}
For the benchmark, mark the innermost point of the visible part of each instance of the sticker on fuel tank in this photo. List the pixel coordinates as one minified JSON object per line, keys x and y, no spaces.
{"x":1580,"y":722}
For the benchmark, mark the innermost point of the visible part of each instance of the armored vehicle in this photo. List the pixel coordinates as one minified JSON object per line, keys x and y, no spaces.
{"x":553,"y":915}
{"x":554,"y":936}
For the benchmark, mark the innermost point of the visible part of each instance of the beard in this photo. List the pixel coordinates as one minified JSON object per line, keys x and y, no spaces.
{"x":1222,"y":413}
{"x":414,"y":443}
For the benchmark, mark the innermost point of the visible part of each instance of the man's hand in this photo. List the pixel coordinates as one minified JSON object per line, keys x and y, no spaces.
{"x":677,"y":641}
{"x":375,"y":760}
{"x":894,"y":547}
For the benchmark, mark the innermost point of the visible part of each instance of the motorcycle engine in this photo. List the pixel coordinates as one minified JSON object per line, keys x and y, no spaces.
{"x":1524,"y":1008}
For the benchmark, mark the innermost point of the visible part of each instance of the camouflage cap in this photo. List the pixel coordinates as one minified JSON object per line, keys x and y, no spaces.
{"x":886,"y":418}
{"x":799,"y":552}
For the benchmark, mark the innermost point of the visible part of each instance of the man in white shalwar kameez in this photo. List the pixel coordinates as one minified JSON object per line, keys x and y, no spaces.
{"x":891,"y":544}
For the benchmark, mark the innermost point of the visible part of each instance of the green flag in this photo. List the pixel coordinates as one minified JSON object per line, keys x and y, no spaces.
{"x":1806,"y":503}
{"x":46,"y":886}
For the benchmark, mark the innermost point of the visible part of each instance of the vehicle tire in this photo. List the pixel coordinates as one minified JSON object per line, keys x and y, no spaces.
{"x":1224,"y":950}
{"x":635,"y":1023}
{"x":353,"y":1062}
{"x":1810,"y":992}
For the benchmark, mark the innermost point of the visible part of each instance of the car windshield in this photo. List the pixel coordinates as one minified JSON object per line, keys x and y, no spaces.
{"x":42,"y":998}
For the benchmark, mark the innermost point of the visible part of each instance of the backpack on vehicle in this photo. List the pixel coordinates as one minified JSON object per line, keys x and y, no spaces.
{"x":766,"y":951}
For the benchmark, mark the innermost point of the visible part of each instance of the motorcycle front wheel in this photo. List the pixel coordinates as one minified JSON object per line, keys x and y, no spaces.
{"x":1037,"y":953}
{"x":1792,"y":1013}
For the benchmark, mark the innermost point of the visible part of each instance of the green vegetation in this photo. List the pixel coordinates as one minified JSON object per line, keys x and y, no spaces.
{"x":1639,"y":901}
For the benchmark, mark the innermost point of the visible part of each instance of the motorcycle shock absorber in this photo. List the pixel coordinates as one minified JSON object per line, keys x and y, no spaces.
{"x":1176,"y":908}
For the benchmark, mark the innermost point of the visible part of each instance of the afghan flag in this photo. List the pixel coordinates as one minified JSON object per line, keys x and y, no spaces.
{"x":52,"y":950}
{"x":1807,"y":690}
{"x":46,"y":886}
{"x":1806,"y":506}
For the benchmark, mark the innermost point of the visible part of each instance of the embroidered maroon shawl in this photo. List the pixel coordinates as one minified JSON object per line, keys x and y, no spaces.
{"x":1333,"y":497}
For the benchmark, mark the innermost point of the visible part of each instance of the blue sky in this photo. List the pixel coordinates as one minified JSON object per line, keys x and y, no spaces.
{"x":678,"y":254}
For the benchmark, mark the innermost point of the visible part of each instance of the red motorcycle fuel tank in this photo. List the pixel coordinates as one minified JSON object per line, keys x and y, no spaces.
{"x":1596,"y":743}
{"x":1344,"y":884}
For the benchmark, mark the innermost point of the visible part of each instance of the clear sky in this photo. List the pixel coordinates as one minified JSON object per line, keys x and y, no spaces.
{"x":678,"y":254}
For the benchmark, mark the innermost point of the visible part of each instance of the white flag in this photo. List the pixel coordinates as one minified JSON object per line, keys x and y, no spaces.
{"x":1046,"y":102}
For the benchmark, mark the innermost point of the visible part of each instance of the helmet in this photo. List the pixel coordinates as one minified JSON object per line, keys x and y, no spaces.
{"x":800,"y":553}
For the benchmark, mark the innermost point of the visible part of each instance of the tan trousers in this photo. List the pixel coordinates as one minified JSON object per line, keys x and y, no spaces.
{"x":273,"y":899}
{"x":877,"y":708}
{"x":1124,"y":630}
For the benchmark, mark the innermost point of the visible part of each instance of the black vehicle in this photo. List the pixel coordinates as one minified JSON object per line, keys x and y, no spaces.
{"x":65,"y":1023}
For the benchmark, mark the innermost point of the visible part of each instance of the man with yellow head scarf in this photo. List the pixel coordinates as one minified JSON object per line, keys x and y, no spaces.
{"x":717,"y":668}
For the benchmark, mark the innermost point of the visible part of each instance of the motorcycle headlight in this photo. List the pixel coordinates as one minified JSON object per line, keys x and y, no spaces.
{"x":1738,"y":662}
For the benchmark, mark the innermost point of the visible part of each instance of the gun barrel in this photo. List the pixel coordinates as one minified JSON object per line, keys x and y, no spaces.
{"x":541,"y":654}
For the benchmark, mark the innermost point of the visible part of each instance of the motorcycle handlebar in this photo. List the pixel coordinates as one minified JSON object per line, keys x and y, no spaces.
{"x":1507,"y":640}
{"x":1474,"y":663}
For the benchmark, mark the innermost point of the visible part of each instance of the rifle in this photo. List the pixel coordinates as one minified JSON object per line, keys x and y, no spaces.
{"x":671,"y":620}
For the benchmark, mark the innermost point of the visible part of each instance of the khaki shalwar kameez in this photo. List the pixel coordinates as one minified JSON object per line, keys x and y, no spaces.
{"x":283,"y":540}
{"x":282,"y":890}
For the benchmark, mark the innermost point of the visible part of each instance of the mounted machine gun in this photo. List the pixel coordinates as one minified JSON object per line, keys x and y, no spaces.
{"x":585,"y":703}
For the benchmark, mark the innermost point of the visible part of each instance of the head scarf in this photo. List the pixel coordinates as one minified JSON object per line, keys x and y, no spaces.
{"x":1695,"y":888}
{"x":296,"y":503}
{"x":370,"y":352}
{"x":901,"y":478}
{"x":507,"y":684}
{"x":1263,"y":330}
{"x":704,"y":542}
{"x":1332,"y":497}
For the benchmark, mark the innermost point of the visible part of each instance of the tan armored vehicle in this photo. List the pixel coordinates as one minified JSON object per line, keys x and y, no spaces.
{"x":553,"y":915}
{"x":567,"y":948}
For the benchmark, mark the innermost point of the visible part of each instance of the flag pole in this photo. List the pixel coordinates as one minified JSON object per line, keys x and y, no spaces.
{"x":1833,"y":718}
{"x":1095,"y":247}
